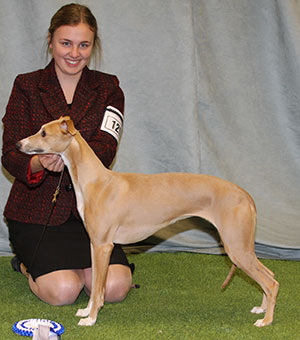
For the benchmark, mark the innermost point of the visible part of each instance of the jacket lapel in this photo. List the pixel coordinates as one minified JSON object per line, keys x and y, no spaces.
{"x":84,"y":96}
{"x":54,"y":100}
{"x":51,"y":93}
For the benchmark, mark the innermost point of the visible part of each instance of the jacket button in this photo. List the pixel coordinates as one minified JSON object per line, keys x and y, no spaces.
{"x":69,"y":187}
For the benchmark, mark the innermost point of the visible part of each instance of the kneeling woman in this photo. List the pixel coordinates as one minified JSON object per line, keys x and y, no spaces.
{"x":57,"y":262}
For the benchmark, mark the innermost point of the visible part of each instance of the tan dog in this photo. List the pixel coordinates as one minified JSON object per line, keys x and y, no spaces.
{"x":127,"y":207}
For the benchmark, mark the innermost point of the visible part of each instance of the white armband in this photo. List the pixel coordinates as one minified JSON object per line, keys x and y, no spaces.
{"x":112,"y":122}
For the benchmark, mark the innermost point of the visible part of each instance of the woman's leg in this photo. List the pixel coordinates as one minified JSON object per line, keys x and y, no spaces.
{"x":118,"y":282}
{"x":58,"y":288}
{"x":62,"y":287}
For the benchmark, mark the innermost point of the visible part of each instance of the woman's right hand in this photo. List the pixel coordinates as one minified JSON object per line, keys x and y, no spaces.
{"x":50,"y":162}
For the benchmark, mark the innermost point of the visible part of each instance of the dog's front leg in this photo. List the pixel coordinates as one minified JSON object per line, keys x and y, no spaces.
{"x":86,"y":311}
{"x":100,"y":261}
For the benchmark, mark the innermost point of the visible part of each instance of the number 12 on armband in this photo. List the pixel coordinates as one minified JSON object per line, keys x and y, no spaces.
{"x":112,"y":122}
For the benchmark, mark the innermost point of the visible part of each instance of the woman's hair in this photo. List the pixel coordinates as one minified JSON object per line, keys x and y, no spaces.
{"x":72,"y":15}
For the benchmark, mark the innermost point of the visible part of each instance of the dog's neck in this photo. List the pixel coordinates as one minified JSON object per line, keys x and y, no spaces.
{"x":82,"y":162}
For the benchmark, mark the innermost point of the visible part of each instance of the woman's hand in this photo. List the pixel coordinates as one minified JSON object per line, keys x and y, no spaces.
{"x":48,"y":161}
{"x":51,"y":162}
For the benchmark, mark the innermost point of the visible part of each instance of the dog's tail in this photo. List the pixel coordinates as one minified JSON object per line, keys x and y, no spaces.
{"x":231,"y":272}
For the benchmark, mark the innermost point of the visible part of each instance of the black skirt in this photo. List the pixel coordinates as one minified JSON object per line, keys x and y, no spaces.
{"x":60,"y":247}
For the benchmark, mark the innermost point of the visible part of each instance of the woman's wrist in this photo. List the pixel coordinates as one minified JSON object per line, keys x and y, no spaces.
{"x":35,"y":164}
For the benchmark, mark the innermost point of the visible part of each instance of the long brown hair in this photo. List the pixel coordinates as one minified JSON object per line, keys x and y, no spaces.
{"x":72,"y":15}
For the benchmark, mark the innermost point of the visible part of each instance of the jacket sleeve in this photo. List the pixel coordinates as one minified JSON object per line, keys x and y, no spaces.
{"x":103,"y":143}
{"x":17,"y":125}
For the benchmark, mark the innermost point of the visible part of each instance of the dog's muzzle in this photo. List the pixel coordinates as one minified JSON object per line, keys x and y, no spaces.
{"x":21,"y":148}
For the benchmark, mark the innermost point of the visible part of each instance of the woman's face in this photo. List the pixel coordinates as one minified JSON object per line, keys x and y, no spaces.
{"x":72,"y":47}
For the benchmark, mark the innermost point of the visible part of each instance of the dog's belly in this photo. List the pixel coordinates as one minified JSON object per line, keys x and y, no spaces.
{"x":139,"y":232}
{"x":133,"y":234}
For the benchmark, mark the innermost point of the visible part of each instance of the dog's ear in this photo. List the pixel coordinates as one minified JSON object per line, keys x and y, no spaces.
{"x":67,"y":126}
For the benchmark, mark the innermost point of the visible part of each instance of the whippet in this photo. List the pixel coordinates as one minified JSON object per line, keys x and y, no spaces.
{"x":129,"y":207}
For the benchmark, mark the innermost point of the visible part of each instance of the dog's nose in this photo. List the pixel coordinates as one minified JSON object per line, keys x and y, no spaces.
{"x":18,"y":145}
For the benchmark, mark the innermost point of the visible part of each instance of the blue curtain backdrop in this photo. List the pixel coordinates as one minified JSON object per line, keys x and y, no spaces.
{"x":211,"y":87}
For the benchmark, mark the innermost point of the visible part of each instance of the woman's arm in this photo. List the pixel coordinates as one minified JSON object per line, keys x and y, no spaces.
{"x":17,"y":125}
{"x":103,"y":143}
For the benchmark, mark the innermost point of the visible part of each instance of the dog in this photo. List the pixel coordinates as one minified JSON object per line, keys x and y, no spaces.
{"x":129,"y":207}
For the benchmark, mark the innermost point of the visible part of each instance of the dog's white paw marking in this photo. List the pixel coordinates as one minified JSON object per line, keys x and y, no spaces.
{"x":83,"y":312}
{"x":257,"y":310}
{"x":260,"y":323}
{"x":86,"y":322}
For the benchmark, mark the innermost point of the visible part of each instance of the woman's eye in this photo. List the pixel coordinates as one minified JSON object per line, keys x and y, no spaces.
{"x":66,"y":43}
{"x":84,"y":45}
{"x":43,"y":133}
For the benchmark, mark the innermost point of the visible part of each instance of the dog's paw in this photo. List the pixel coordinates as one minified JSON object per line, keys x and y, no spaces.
{"x":262,"y":323}
{"x":87,"y":322}
{"x":83,"y":312}
{"x":257,"y":310}
{"x":259,"y":323}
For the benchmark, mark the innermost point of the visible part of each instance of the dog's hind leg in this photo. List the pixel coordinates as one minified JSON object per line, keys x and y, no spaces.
{"x":263,"y":307}
{"x":249,"y":263}
{"x":237,"y":230}
{"x":270,"y":287}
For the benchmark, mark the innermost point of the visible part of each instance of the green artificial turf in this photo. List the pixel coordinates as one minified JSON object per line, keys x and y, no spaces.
{"x":180,"y":298}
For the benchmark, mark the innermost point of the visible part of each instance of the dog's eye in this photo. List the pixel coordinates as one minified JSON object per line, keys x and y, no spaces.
{"x":43,"y":133}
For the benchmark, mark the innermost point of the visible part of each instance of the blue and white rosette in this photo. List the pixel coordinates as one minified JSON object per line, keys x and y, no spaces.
{"x":27,"y":327}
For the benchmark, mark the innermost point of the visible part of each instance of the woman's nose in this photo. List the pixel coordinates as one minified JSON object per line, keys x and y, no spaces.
{"x":74,"y":52}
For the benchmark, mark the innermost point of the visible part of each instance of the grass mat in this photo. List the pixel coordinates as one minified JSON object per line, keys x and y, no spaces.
{"x":180,"y":298}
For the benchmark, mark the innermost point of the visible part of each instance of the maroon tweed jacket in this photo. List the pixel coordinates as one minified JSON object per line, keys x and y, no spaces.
{"x":36,"y":99}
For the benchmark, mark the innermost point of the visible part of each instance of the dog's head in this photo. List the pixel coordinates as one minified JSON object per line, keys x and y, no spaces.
{"x":53,"y":137}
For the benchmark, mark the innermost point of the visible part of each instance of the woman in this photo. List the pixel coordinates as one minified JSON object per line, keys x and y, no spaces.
{"x":57,"y":263}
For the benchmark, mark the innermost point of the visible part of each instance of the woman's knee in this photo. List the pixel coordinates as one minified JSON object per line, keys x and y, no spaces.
{"x":56,"y":288}
{"x":118,"y":283}
{"x":65,"y":293}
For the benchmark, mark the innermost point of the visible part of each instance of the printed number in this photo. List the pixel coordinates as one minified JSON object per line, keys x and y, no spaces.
{"x":115,"y":126}
{"x":112,"y":124}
